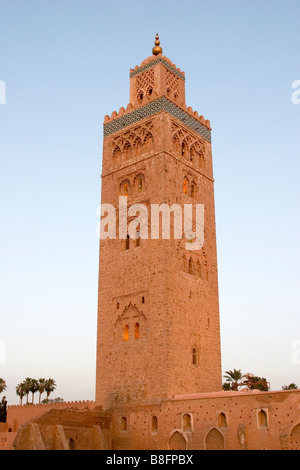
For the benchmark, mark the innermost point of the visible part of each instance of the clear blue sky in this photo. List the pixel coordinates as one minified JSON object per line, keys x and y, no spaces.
{"x":66,"y":65}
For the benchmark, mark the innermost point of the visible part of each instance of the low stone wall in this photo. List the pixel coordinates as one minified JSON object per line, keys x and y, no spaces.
{"x":17,"y":414}
{"x":224,"y":420}
{"x":245,"y":420}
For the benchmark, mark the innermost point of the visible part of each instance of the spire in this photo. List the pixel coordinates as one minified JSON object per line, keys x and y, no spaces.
{"x":157,"y":49}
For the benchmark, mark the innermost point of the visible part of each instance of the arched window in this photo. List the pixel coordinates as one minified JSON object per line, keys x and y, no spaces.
{"x":123,"y":424}
{"x":185,"y":184}
{"x":154,"y":424}
{"x":125,"y":188}
{"x":222,"y":421}
{"x":149,"y":91}
{"x":126,"y":333}
{"x":140,"y":184}
{"x":72,"y":445}
{"x":186,"y":423}
{"x":193,"y":189}
{"x":262,"y":419}
{"x":137,"y":331}
{"x":184,"y":149}
{"x":127,"y":243}
{"x":195,"y":357}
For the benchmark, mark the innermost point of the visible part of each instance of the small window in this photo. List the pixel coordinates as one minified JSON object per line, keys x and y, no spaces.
{"x":195,"y":357}
{"x":72,"y":445}
{"x":123,"y":424}
{"x":118,"y":305}
{"x":143,"y":300}
{"x":126,"y":333}
{"x":222,"y":421}
{"x":154,"y":424}
{"x":140,"y":184}
{"x":262,"y":420}
{"x":186,"y":423}
{"x":127,"y":243}
{"x":185,"y":186}
{"x":126,"y":188}
{"x":137,"y":331}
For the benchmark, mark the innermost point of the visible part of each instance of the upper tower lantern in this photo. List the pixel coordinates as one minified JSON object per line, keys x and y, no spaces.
{"x":156,"y":76}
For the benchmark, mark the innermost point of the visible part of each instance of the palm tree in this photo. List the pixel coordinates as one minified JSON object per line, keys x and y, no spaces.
{"x":27,"y":385}
{"x":41,"y":390}
{"x":234,"y":377}
{"x":50,"y":386}
{"x":21,"y":391}
{"x":34,"y":387}
{"x":2,"y":385}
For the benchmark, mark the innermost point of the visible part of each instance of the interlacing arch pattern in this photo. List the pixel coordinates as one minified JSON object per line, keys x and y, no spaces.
{"x":132,"y":143}
{"x":173,"y":88}
{"x":144,"y":84}
{"x":188,"y":146}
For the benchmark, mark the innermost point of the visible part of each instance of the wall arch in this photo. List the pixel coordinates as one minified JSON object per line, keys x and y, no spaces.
{"x":214,"y":440}
{"x":177,"y":441}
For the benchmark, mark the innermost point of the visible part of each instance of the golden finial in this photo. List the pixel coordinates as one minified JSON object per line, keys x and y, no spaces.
{"x":157,"y":49}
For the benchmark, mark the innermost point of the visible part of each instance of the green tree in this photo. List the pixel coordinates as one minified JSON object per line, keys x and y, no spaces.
{"x":50,"y":386}
{"x":27,"y":384}
{"x":41,"y":390}
{"x":21,"y":391}
{"x":34,"y":387}
{"x":292,"y":386}
{"x":234,"y":377}
{"x":227,"y":386}
{"x":2,"y":385}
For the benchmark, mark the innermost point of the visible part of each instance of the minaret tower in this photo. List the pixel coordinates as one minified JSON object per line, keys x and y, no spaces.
{"x":158,"y":311}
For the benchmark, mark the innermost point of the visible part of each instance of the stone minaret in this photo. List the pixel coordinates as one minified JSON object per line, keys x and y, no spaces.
{"x":158,"y":311}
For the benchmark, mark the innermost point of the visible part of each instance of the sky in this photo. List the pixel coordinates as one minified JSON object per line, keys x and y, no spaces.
{"x":65,"y":65}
